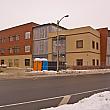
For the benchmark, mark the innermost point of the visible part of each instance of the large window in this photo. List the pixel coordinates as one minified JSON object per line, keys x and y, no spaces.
{"x":79,"y":44}
{"x":79,"y":62}
{"x":27,"y":62}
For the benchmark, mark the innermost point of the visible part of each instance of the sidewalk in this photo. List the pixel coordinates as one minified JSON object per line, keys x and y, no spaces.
{"x":16,"y":73}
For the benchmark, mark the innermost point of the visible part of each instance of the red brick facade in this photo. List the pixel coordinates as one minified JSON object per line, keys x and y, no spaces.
{"x":14,"y":38}
{"x":103,"y":45}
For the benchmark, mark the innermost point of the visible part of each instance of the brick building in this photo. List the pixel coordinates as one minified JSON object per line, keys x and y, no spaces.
{"x":16,"y":45}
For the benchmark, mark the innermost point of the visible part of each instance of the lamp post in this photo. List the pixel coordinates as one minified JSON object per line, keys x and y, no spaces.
{"x":58,"y":22}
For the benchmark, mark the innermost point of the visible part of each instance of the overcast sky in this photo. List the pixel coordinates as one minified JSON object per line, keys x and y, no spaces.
{"x":94,"y":13}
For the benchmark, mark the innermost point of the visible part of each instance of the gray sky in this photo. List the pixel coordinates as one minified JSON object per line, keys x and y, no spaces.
{"x":94,"y":13}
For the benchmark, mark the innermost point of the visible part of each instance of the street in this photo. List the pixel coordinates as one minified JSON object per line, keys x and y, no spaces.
{"x":29,"y":94}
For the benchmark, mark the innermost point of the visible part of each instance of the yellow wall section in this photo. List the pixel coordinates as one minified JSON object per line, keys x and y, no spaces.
{"x":20,"y":57}
{"x":87,"y":53}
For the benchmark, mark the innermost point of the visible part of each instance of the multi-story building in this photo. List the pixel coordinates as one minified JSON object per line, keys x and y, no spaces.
{"x":40,"y":39}
{"x":77,"y":47}
{"x":83,"y":46}
{"x":16,"y":45}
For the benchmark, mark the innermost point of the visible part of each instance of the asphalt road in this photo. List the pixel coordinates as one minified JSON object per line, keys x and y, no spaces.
{"x":23,"y":94}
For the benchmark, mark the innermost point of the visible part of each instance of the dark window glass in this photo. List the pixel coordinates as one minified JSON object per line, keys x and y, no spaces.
{"x":27,"y":62}
{"x":97,"y":62}
{"x":2,"y":62}
{"x":93,"y":62}
{"x":97,"y":46}
{"x":93,"y":44}
{"x":79,"y":62}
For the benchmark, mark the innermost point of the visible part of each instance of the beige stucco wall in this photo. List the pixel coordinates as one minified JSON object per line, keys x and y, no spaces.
{"x":75,"y":31}
{"x":87,"y":42}
{"x":21,"y":59}
{"x":87,"y":53}
{"x":87,"y":58}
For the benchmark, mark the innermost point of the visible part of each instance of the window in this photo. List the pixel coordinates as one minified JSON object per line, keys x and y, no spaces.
{"x":93,"y":62}
{"x":97,"y":62}
{"x":27,"y":62}
{"x":11,"y":38}
{"x":79,"y":62}
{"x":27,"y":35}
{"x":16,"y":62}
{"x":93,"y":44}
{"x":41,"y":47}
{"x":17,"y":37}
{"x":16,"y":49}
{"x":10,"y":62}
{"x":27,"y":48}
{"x":2,"y":62}
{"x":10,"y":50}
{"x":2,"y":50}
{"x":2,"y":40}
{"x":14,"y":38}
{"x":79,"y":44}
{"x":97,"y":46}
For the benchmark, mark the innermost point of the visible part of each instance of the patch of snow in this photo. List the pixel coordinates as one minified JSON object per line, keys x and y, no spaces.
{"x":99,"y":101}
{"x":44,"y":72}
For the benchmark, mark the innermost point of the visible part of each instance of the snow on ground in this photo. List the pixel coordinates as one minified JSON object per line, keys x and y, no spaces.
{"x":99,"y":101}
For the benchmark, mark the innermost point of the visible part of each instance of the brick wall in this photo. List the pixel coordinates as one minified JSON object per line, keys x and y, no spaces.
{"x":103,"y":45}
{"x":20,"y":31}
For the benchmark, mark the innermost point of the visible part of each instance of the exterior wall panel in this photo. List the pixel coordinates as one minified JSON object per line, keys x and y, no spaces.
{"x":21,"y":58}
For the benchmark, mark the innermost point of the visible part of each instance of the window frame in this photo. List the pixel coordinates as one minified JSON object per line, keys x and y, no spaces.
{"x":93,"y":62}
{"x":93,"y":44}
{"x":79,"y":62}
{"x":27,"y":35}
{"x":25,"y":48}
{"x":97,"y":62}
{"x":2,"y":61}
{"x":26,"y":62}
{"x":97,"y":45}
{"x":79,"y":44}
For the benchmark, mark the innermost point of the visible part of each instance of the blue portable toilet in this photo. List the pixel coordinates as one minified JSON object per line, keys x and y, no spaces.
{"x":45,"y":64}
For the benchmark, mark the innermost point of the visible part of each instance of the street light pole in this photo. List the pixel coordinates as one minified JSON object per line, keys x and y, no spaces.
{"x":58,"y":22}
